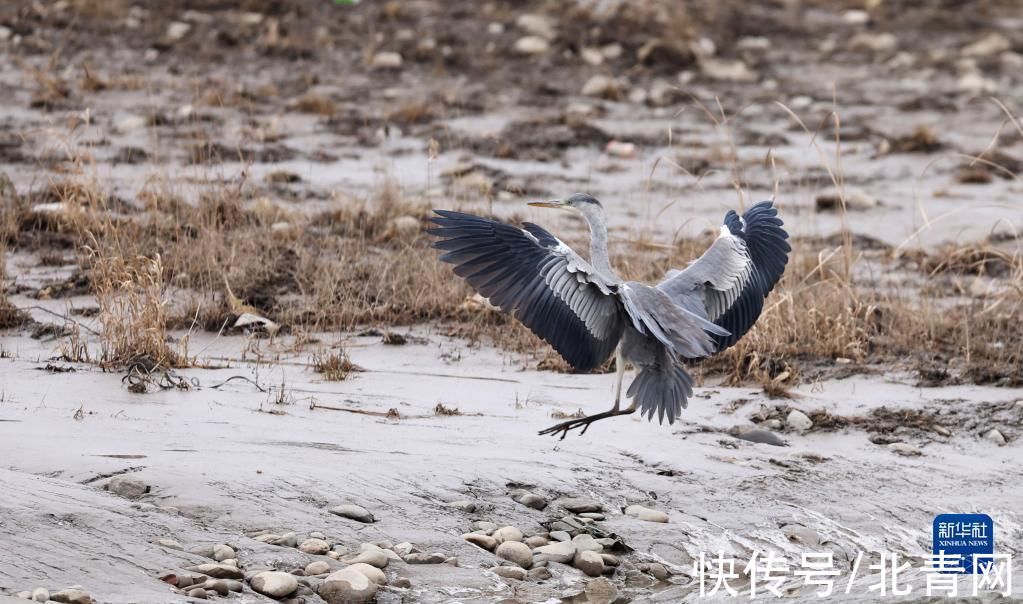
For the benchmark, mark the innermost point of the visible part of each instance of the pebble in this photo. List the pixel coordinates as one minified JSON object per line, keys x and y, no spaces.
{"x":372,"y":573}
{"x":855,"y":200}
{"x":531,"y":45}
{"x":177,"y":30}
{"x":402,"y":582}
{"x":591,"y":56}
{"x":645,"y":513}
{"x":560,"y":536}
{"x":483,"y":525}
{"x":168,"y":543}
{"x":600,"y":86}
{"x":995,"y":436}
{"x":663,"y":93}
{"x":510,"y":572}
{"x":355,"y":512}
{"x":601,"y":591}
{"x":883,"y":42}
{"x":562,"y":551}
{"x":197,"y":592}
{"x":764,"y":437}
{"x":40,"y":594}
{"x":317,"y":568}
{"x":286,"y":540}
{"x":266,"y":538}
{"x":517,"y":552}
{"x":586,"y":543}
{"x":218,"y":585}
{"x":610,"y":559}
{"x":217,"y":571}
{"x":528,"y":499}
{"x":424,"y":558}
{"x":71,"y":595}
{"x":5,"y":32}
{"x":726,"y":70}
{"x":273,"y":583}
{"x":536,"y":541}
{"x":223,"y":552}
{"x":612,"y":51}
{"x":129,"y":488}
{"x":347,"y":586}
{"x":507,"y":533}
{"x":799,"y":421}
{"x":375,"y":558}
{"x":386,"y":60}
{"x":589,"y":562}
{"x":463,"y":505}
{"x":800,"y":534}
{"x":405,"y":548}
{"x":991,"y":44}
{"x":905,"y":449}
{"x":317,"y":535}
{"x":334,"y":555}
{"x":316,"y":547}
{"x":485,"y":541}
{"x":537,"y":25}
{"x":579,"y":505}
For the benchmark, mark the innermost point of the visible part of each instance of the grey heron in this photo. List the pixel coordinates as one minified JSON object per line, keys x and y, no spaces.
{"x":587,"y":312}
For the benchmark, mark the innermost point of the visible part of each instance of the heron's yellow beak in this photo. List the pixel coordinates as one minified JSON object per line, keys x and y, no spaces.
{"x":556,"y":203}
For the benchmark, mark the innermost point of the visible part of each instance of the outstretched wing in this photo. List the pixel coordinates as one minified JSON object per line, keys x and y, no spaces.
{"x":539,"y":280}
{"x":730,"y":281}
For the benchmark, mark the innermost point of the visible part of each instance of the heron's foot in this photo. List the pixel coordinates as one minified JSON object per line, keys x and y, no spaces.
{"x":582,"y":422}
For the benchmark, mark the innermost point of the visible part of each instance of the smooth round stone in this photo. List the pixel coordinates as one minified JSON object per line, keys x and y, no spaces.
{"x":354,"y":512}
{"x":507,"y":533}
{"x":317,"y":535}
{"x":586,"y":543}
{"x":645,"y":513}
{"x":217,"y":571}
{"x":560,"y":536}
{"x":129,"y":488}
{"x":528,"y":499}
{"x":405,"y":548}
{"x":375,"y":558}
{"x":517,"y":552}
{"x":274,"y":583}
{"x":40,"y":594}
{"x":286,"y":540}
{"x":315,"y":547}
{"x":197,"y":592}
{"x":579,"y":505}
{"x":797,"y":533}
{"x":536,"y":541}
{"x":483,"y":525}
{"x":426,"y":558}
{"x":402,"y":582}
{"x":463,"y":504}
{"x":485,"y":541}
{"x":510,"y":572}
{"x":347,"y":586}
{"x":317,"y":568}
{"x":168,"y":543}
{"x":563,"y":552}
{"x":601,"y":591}
{"x":372,"y":573}
{"x":658,"y":571}
{"x":610,"y":560}
{"x":223,"y":552}
{"x":589,"y":562}
{"x":540,"y":573}
{"x":218,"y":585}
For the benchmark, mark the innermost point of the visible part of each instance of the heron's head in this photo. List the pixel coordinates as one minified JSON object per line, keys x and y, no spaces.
{"x":580,"y":202}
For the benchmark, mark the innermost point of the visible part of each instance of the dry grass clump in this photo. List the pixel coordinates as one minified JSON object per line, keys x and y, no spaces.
{"x":334,"y":366}
{"x":133,"y":307}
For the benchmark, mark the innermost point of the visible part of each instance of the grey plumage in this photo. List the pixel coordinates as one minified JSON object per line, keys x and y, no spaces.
{"x":587,"y":312}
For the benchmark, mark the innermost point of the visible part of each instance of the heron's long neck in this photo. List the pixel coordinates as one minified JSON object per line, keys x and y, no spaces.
{"x":599,"y":256}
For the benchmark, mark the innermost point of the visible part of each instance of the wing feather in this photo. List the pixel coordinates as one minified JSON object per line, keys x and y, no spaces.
{"x":530,"y":274}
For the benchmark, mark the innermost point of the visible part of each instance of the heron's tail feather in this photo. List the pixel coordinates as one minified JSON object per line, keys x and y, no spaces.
{"x":664,"y":390}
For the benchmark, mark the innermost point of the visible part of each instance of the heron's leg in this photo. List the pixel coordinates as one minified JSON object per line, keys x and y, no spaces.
{"x":584,"y":422}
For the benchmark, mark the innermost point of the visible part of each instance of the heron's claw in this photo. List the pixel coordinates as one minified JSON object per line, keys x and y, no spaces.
{"x":565,"y":427}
